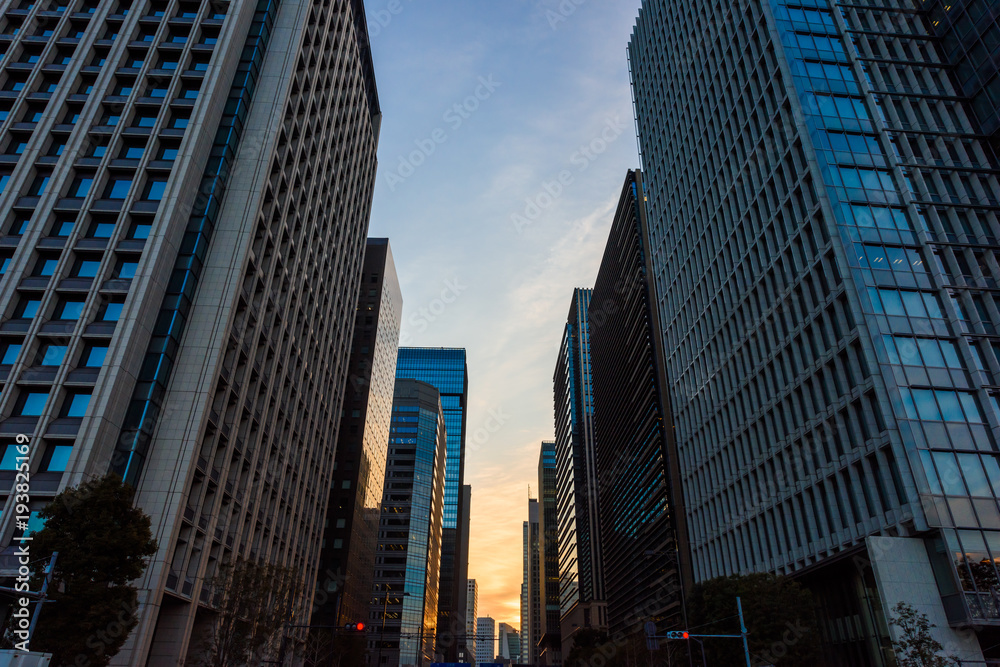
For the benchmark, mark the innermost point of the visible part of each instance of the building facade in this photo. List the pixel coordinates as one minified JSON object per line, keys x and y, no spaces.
{"x":486,"y":630}
{"x":509,"y":644}
{"x":343,"y":593}
{"x":642,"y":519}
{"x":176,"y":299}
{"x":471,"y":616}
{"x":826,"y":257}
{"x":532,"y":616}
{"x":581,"y":580}
{"x":445,"y":368}
{"x":403,"y":613}
{"x":549,"y":643}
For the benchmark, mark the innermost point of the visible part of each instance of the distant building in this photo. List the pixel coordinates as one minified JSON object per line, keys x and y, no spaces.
{"x":445,"y":369}
{"x":639,"y":498}
{"x":531,"y":588}
{"x":486,"y":629}
{"x":471,"y":616}
{"x":549,"y":642}
{"x":343,"y":593}
{"x":509,"y":644}
{"x":581,"y":578}
{"x":403,"y":613}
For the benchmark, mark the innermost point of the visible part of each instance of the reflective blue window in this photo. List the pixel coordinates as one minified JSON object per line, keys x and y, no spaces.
{"x":76,"y":405}
{"x":33,"y":403}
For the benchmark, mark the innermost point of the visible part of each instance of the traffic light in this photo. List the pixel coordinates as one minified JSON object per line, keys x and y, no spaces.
{"x":355,"y":627}
{"x":677,"y":634}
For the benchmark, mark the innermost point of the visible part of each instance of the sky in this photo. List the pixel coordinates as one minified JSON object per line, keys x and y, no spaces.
{"x":506,"y":134}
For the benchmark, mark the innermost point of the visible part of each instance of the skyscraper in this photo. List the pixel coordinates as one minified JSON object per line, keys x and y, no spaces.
{"x":185,"y":201}
{"x":471,"y":614}
{"x":642,"y":524}
{"x":550,"y":643}
{"x":348,"y":558}
{"x":508,"y":643}
{"x":823,"y":228}
{"x":581,"y":579}
{"x":445,"y":369}
{"x":486,"y":629}
{"x":531,"y":589}
{"x":403,"y":610}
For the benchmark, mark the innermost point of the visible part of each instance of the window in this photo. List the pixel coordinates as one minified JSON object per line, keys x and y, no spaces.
{"x":905,"y":302}
{"x":189,"y":93}
{"x":168,"y":153}
{"x":940,"y":405}
{"x":81,"y":186}
{"x":56,"y":146}
{"x":199,"y":65}
{"x":117,"y":188}
{"x":9,"y":352}
{"x":33,"y":114}
{"x":86,"y":268}
{"x":93,"y":356}
{"x":4,"y":179}
{"x":69,"y":309}
{"x":17,"y":144}
{"x":934,"y":352}
{"x":144,"y":119}
{"x":126,"y":269}
{"x":155,"y":189}
{"x":159,"y":92}
{"x":135,"y":61}
{"x":179,"y":122}
{"x":122,"y":89}
{"x":110,"y":312}
{"x":50,"y":83}
{"x":140,"y":230}
{"x":62,"y":227}
{"x":133,"y":151}
{"x":177,"y":37}
{"x":19,"y":225}
{"x":57,"y":458}
{"x":31,"y":404}
{"x":4,"y":263}
{"x":167,"y":63}
{"x":28,"y":308}
{"x":72,"y":116}
{"x":51,"y":355}
{"x":75,"y":404}
{"x":10,"y":455}
{"x":99,"y":148}
{"x":46,"y":266}
{"x":111,"y":118}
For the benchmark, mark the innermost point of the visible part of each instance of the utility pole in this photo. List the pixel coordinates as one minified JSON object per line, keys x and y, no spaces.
{"x":743,"y":630}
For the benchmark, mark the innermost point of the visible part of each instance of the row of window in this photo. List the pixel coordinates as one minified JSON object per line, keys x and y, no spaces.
{"x":31,"y":403}
{"x":67,"y":309}
{"x":54,"y":353}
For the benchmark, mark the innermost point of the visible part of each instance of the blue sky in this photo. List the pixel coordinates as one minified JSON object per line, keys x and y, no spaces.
{"x":507,"y":131}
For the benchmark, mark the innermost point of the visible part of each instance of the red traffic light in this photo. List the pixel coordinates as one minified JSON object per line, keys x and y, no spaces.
{"x":361,"y":626}
{"x":354,"y":627}
{"x":685,"y":635}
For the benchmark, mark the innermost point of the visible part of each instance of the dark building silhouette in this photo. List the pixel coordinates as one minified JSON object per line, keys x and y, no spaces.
{"x":550,"y":642}
{"x":343,"y":593}
{"x":642,"y":524}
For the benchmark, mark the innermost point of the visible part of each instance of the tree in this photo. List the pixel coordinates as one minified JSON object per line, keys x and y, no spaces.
{"x":780,"y":616}
{"x":253,"y":603}
{"x":915,"y":646}
{"x":103,"y":543}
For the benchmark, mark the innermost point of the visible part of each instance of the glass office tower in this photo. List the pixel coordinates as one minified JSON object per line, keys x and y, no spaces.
{"x":445,"y":369}
{"x":581,"y":580}
{"x":403,"y":612}
{"x":550,"y":642}
{"x":823,"y":227}
{"x":531,"y":591}
{"x":186,"y":188}
{"x":642,"y":523}
{"x":347,"y":561}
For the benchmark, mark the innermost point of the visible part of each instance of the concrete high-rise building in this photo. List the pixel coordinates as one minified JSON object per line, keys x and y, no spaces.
{"x":509,"y":644}
{"x":445,"y":368}
{"x":185,"y":192}
{"x":823,"y":231}
{"x":471,"y":614}
{"x":531,"y":587}
{"x":581,"y":580}
{"x":641,"y":522}
{"x":486,"y":629}
{"x":549,"y":642}
{"x":403,"y":611}
{"x":351,"y":536}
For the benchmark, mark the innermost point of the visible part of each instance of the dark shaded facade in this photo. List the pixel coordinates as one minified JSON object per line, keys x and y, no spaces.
{"x":824,"y":237}
{"x":532,"y":616}
{"x":970,"y":41}
{"x":550,"y":642}
{"x":183,"y":213}
{"x":581,"y":580}
{"x":347,"y":562}
{"x":403,"y":610}
{"x":641,"y":516}
{"x":445,"y":369}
